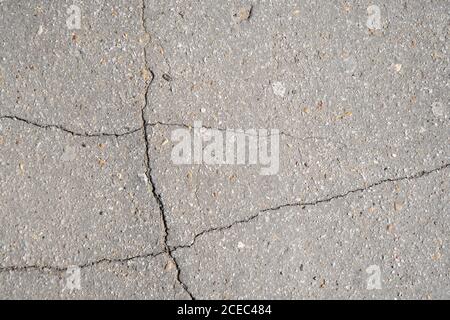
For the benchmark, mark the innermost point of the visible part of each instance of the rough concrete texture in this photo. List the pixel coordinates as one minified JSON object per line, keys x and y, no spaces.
{"x":54,"y":75}
{"x":87,"y":179}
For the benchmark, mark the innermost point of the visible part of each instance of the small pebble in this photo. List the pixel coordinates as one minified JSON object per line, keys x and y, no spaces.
{"x":438,"y":109}
{"x":102,"y":162}
{"x":167,"y":77}
{"x":243,"y":14}
{"x":278,"y":89}
{"x":390,"y":227}
{"x":169,"y":266}
{"x":146,"y":75}
{"x":398,"y":205}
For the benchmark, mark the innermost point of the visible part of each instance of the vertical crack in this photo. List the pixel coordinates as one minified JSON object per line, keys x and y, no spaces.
{"x":151,"y":183}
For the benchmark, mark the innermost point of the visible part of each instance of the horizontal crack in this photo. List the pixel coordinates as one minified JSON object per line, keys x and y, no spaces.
{"x":417,"y":175}
{"x":86,"y":134}
{"x":85,"y":265}
{"x":74,"y":133}
{"x":311,"y":203}
{"x":222,"y":228}
{"x":129,"y":132}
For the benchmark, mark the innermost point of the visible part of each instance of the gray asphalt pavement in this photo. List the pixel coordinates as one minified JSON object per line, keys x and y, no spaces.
{"x":94,"y":206}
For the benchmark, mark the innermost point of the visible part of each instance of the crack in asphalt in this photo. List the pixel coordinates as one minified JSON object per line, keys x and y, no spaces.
{"x":417,"y":175}
{"x":148,"y":124}
{"x":59,"y":269}
{"x":74,"y":133}
{"x":151,"y":182}
{"x":169,"y":250}
{"x":88,"y":134}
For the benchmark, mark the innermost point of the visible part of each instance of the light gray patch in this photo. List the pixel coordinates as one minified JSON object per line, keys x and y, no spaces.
{"x":69,"y":154}
{"x":438,"y":109}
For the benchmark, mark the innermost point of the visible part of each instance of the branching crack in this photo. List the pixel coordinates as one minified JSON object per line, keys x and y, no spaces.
{"x":216,"y":229}
{"x":169,"y":250}
{"x":303,"y":205}
{"x":151,"y":182}
{"x":148,"y":124}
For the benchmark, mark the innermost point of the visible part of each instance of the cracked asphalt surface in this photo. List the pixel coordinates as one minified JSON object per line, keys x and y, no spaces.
{"x":87,"y":180}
